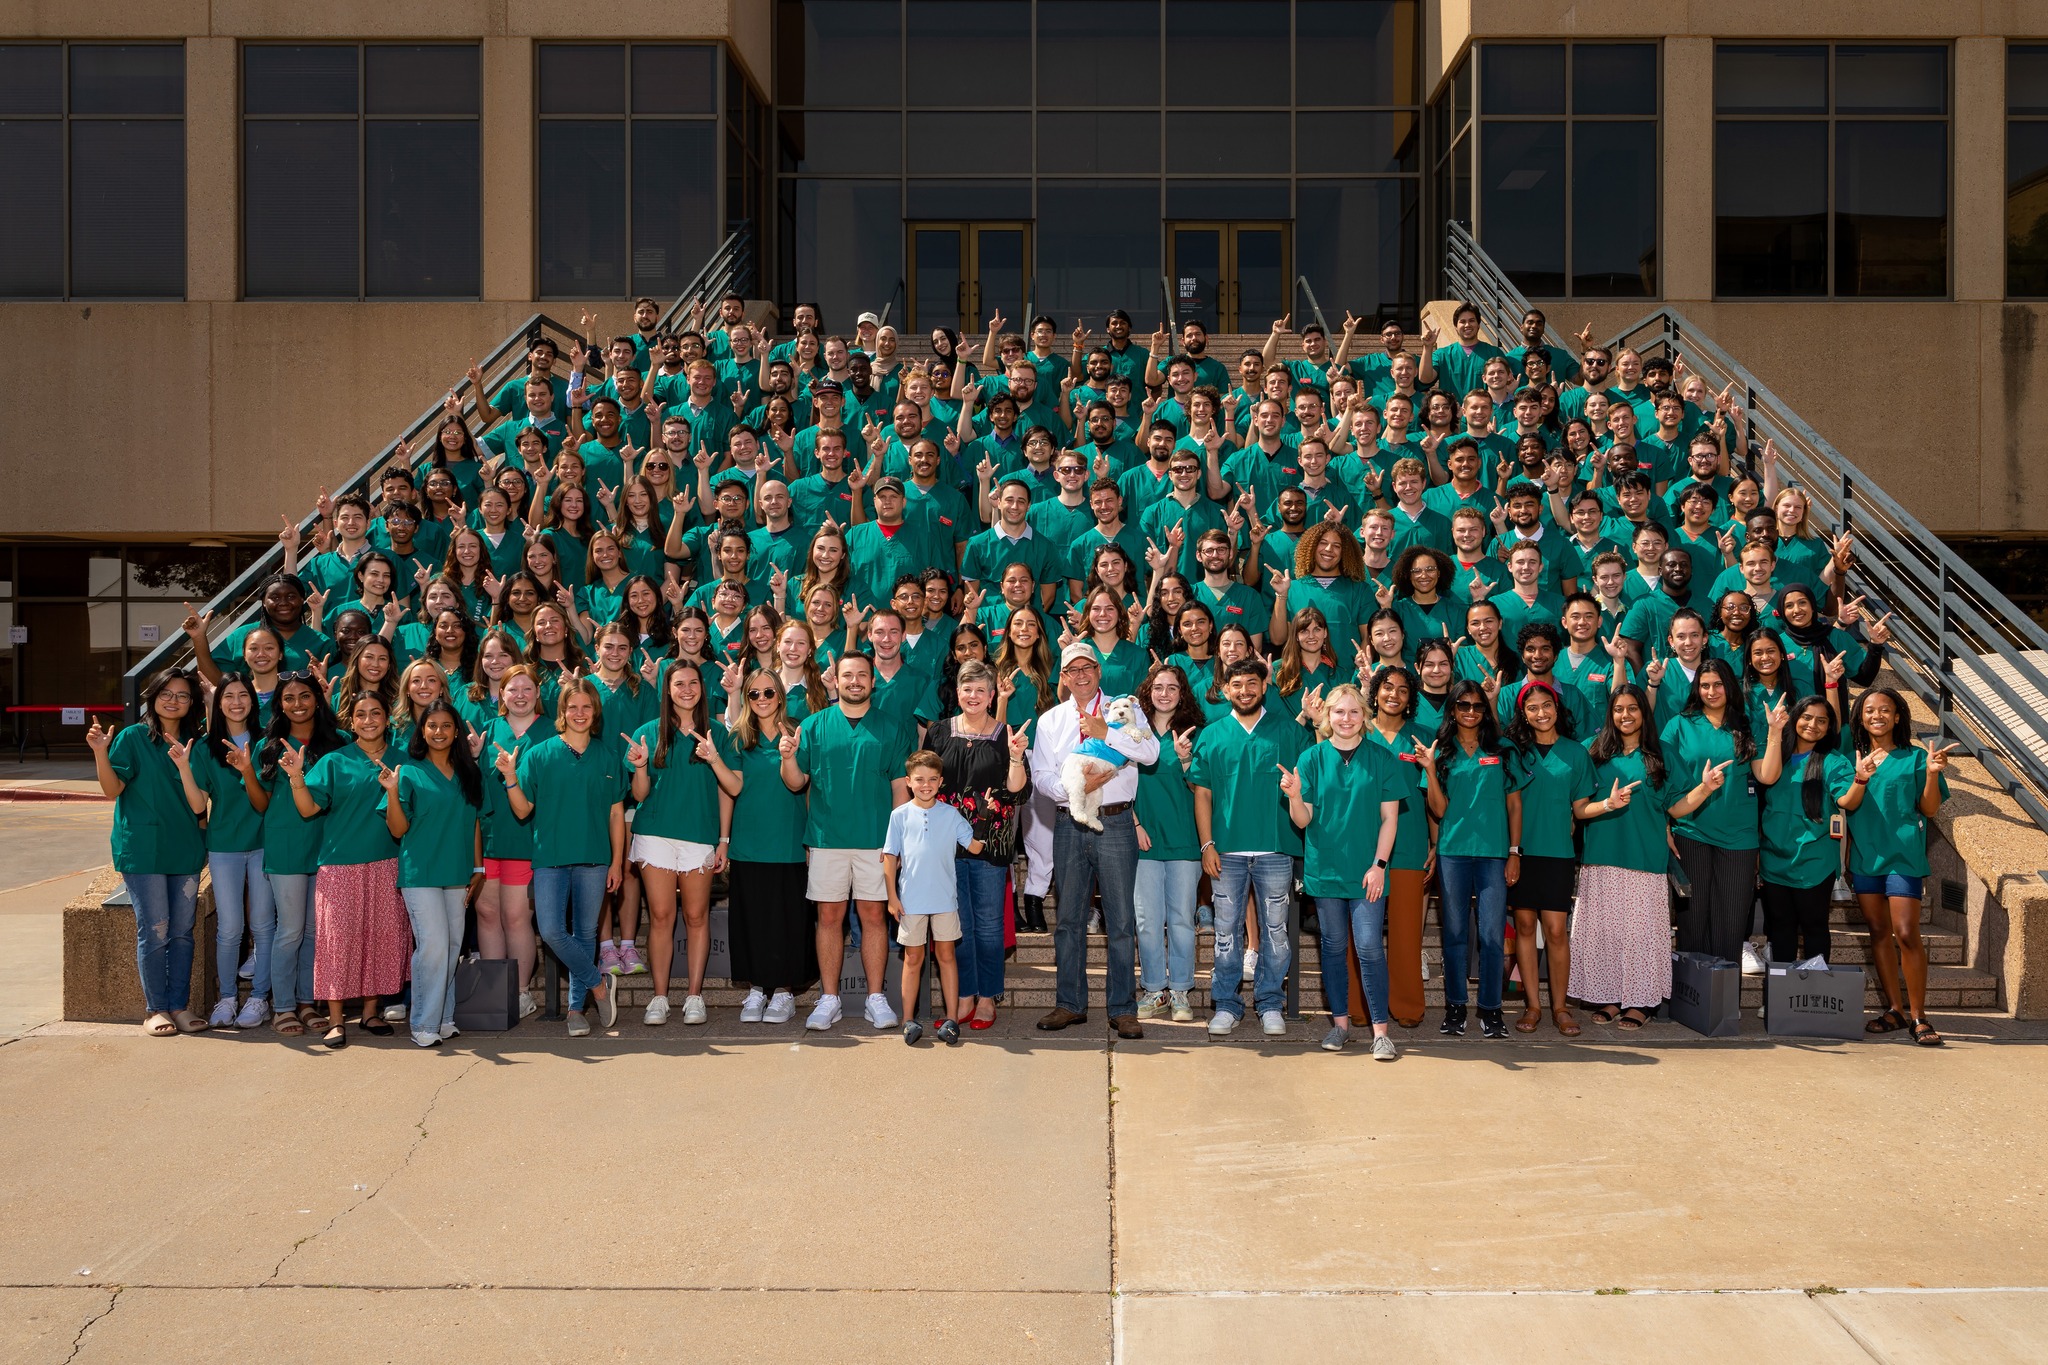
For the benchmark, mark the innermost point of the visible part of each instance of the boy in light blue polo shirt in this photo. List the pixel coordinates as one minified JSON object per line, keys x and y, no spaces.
{"x":917,"y":862}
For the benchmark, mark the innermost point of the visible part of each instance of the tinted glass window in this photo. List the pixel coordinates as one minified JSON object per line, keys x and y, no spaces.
{"x":420,"y":209}
{"x":128,"y":208}
{"x":840,"y":142}
{"x":842,"y":52}
{"x":1098,"y":248}
{"x":1230,"y":143}
{"x":1227,"y":199}
{"x":1098,"y":52}
{"x":675,"y":79}
{"x":576,"y":78}
{"x":976,"y":54}
{"x":1891,"y":80}
{"x":969,"y":141}
{"x":298,"y":80}
{"x":115,"y":78}
{"x":1354,"y":241}
{"x":1614,"y":209}
{"x":1226,"y":52}
{"x":1614,"y":78}
{"x":31,"y":78}
{"x":1891,"y":209}
{"x":973,"y":199}
{"x":1356,"y":142}
{"x":1770,"y":208}
{"x":1517,"y":78}
{"x":1114,"y":142}
{"x":1354,"y":52}
{"x":675,"y":205}
{"x":32,"y":211}
{"x":1771,"y":80}
{"x":2026,"y":210}
{"x":300,"y":209}
{"x":1522,"y":185}
{"x":2026,"y":78}
{"x":582,"y":212}
{"x":439,"y":78}
{"x":845,"y":246}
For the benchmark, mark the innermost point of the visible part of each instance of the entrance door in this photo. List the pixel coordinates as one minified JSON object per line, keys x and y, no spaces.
{"x":960,"y":273}
{"x":1230,"y":277}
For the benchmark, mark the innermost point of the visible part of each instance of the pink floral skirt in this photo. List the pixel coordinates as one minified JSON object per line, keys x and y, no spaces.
{"x":1621,"y":938}
{"x":362,"y":937}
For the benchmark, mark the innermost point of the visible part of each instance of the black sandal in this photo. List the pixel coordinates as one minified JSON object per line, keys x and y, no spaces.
{"x":375,"y":1026}
{"x":1891,"y":1021}
{"x":1924,"y":1034}
{"x":1606,"y":1014}
{"x":337,"y":1038}
{"x":1633,"y":1018}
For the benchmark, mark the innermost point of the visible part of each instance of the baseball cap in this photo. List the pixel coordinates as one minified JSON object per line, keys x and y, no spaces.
{"x":889,"y":483}
{"x":865,"y":318}
{"x":826,"y":386}
{"x":1079,"y":652}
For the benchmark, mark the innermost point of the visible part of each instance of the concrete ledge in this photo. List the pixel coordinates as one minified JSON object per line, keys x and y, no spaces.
{"x":100,"y":983}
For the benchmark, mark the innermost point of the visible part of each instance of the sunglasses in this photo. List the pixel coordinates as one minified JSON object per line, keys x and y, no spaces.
{"x":757,"y":693}
{"x":657,"y":464}
{"x":296,"y":675}
{"x":1467,"y":706}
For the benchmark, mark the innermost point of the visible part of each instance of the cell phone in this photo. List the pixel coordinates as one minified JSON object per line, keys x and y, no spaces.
{"x":1838,"y":825}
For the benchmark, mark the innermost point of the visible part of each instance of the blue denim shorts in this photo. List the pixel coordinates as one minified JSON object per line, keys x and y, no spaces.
{"x":1890,"y":884}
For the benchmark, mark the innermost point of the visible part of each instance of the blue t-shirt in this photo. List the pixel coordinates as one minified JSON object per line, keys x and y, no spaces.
{"x":923,"y":842}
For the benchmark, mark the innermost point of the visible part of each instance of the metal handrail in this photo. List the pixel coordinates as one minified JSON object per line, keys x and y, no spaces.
{"x":237,"y":601}
{"x":1314,"y":308}
{"x":1166,"y":305}
{"x":1944,"y":614}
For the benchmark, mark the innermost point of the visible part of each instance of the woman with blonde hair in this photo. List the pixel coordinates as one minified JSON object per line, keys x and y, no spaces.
{"x":504,"y":907}
{"x":423,"y":683}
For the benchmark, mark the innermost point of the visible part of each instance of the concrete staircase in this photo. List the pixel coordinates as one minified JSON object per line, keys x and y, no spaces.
{"x":1030,"y":975}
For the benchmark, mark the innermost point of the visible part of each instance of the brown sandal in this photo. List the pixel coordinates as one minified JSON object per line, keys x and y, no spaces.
{"x":1566,"y":1025}
{"x":1527,"y":1021}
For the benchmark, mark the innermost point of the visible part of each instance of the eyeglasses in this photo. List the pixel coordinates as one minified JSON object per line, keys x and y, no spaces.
{"x":1078,"y":666}
{"x":756,"y":693}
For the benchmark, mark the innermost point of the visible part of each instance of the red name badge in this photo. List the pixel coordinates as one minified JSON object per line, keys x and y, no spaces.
{"x":1491,"y":761}
{"x":1235,"y":611}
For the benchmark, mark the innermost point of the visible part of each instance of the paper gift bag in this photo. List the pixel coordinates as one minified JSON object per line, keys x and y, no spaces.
{"x":486,"y":994}
{"x":1706,"y":994}
{"x":1801,"y":1003}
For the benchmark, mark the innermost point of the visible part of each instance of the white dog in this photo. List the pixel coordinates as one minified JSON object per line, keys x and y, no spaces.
{"x":1095,"y":755}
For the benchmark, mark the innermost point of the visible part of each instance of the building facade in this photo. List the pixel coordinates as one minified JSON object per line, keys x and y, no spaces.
{"x":245,"y":242}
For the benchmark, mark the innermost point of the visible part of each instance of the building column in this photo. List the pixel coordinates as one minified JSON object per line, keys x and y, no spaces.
{"x":510,"y":241}
{"x":212,"y":192}
{"x":1687,"y":253}
{"x":1977,"y":217}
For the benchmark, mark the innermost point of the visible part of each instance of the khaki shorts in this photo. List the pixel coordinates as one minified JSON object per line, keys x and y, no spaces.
{"x":943,"y":928}
{"x":841,"y":874}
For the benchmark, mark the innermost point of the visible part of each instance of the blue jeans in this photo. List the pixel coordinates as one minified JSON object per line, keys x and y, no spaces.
{"x":165,"y":909}
{"x":1084,"y":862}
{"x":1271,"y":875}
{"x":291,"y":951}
{"x":437,"y":914}
{"x":1345,"y":922}
{"x":1468,"y":882}
{"x":238,"y":883}
{"x":556,"y":892}
{"x":1165,"y":903}
{"x":980,"y":952}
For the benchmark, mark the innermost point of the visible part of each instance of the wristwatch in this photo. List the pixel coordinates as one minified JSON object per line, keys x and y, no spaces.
{"x":1380,"y":863}
{"x":1514,"y":850}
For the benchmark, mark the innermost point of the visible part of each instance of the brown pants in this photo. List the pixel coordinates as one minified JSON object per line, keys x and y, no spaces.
{"x":1407,"y":894}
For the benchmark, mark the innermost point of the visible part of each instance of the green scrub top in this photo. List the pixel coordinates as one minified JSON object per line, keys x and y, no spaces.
{"x":1443,"y":618}
{"x":851,"y":764}
{"x":1346,"y":605}
{"x":1237,"y":605}
{"x":506,"y":836}
{"x":1346,"y":791}
{"x":573,"y":795}
{"x":156,"y":832}
{"x":682,"y":796}
{"x":233,"y":824}
{"x":1631,"y":838}
{"x":1887,"y":833}
{"x":1475,"y":819}
{"x":767,"y":817}
{"x":1166,"y":808}
{"x":439,"y":845}
{"x":1123,"y":669}
{"x":344,"y":784}
{"x":1797,"y":850}
{"x":1241,"y":769}
{"x":1411,"y":837}
{"x":1729,"y":817}
{"x":291,"y":843}
{"x":1552,"y":779}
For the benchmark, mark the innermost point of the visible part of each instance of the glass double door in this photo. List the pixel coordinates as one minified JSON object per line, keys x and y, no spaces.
{"x":961,"y":273}
{"x":1230,"y":277}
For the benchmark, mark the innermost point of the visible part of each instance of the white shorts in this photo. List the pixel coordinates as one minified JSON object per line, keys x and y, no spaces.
{"x":943,"y":927}
{"x":840,"y":874}
{"x":671,"y":855}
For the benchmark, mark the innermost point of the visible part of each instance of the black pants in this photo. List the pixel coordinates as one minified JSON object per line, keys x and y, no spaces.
{"x":1796,"y":918}
{"x":1716,"y":917}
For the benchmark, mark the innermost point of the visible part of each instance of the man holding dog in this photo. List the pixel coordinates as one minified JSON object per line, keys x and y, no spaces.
{"x":1084,"y":861}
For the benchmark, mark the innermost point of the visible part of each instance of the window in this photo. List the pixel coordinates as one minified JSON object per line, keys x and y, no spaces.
{"x":1567,"y":153}
{"x":92,"y":151}
{"x":1831,"y":169}
{"x":2026,"y":171}
{"x":629,"y":170}
{"x":360,"y":175}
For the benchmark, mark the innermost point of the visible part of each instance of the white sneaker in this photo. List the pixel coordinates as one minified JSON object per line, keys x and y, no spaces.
{"x":1383,"y":1049}
{"x":752,"y":1010}
{"x":1223,"y":1022}
{"x":824,"y":1014}
{"x":1251,"y":963}
{"x":1273,"y":1022}
{"x":1183,"y":1008}
{"x":426,"y":1040}
{"x":657,"y":1011}
{"x":579,"y":1027}
{"x":449,"y":1031}
{"x":395,"y":1014}
{"x":1752,"y":960}
{"x":223,"y":1015}
{"x":526,"y":1005}
{"x":878,"y":1012}
{"x":255,"y":1011}
{"x":247,"y":971}
{"x":694,"y":1011}
{"x":781,"y":1008}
